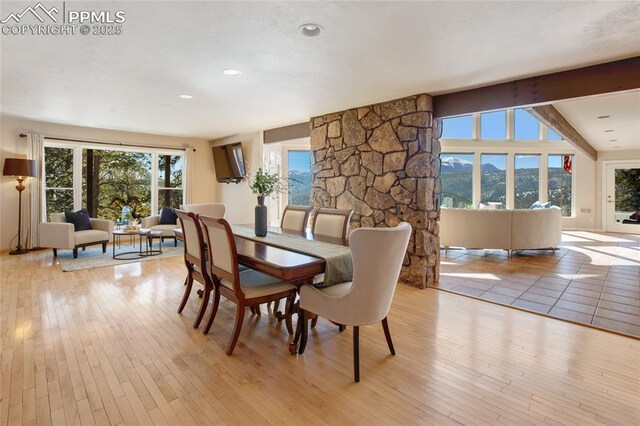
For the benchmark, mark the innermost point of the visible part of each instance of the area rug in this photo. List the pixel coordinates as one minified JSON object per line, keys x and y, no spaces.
{"x":93,"y":257}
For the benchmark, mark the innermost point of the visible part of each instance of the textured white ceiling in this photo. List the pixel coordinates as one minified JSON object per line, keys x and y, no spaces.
{"x":623,"y":110}
{"x":368,"y":52}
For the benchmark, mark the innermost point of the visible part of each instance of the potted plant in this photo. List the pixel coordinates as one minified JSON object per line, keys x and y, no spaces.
{"x":264,"y":184}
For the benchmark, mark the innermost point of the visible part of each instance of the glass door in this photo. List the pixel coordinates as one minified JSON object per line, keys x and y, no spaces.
{"x":622,"y":203}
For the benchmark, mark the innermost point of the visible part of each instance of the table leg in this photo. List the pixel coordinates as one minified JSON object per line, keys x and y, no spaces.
{"x":293,"y":346}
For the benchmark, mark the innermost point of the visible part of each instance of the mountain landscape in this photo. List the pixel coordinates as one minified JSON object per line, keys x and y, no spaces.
{"x":456,"y":177}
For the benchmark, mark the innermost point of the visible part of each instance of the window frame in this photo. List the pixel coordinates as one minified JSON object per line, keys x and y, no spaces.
{"x":77,"y":168}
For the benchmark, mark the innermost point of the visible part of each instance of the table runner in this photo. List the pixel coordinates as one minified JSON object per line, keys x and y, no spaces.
{"x":339,"y":266}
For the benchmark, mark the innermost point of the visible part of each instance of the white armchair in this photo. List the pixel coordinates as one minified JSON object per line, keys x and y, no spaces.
{"x":367,"y":298}
{"x":58,"y":234}
{"x":153,"y":223}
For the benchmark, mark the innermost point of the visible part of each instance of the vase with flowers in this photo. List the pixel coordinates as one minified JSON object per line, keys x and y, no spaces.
{"x":264,"y":184}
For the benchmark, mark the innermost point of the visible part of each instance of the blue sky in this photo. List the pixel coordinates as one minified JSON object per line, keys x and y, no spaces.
{"x":493,"y":125}
{"x":300,"y":160}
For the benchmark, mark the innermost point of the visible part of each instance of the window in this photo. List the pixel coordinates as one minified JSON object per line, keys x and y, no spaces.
{"x":456,"y":180}
{"x":58,"y":179}
{"x":493,"y":184}
{"x":560,"y":182}
{"x":111,"y":182}
{"x":170,"y":181}
{"x":526,"y":125}
{"x":116,"y":181}
{"x":553,"y":136}
{"x":457,"y":127}
{"x":527,"y":180}
{"x":299,"y":176}
{"x":493,"y":125}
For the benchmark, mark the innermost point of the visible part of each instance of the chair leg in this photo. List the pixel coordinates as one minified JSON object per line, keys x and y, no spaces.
{"x":314,"y":321}
{"x":257,"y":310}
{"x":356,"y":353}
{"x":341,"y":327}
{"x":187,"y":293}
{"x":302,"y":314}
{"x":203,"y":307}
{"x":286,"y":306}
{"x":175,"y":242}
{"x":55,"y":252}
{"x":75,"y":253}
{"x":84,"y":248}
{"x":214,"y":310}
{"x":236,"y":329}
{"x":104,"y":247}
{"x":387,"y":335}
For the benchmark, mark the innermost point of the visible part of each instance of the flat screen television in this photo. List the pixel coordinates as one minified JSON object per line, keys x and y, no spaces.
{"x":229,"y":163}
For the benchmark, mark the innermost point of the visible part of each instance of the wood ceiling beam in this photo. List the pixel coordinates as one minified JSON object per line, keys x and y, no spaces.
{"x":551,"y":117}
{"x":609,"y":77}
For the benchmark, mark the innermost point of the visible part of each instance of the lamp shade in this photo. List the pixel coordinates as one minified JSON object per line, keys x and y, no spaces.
{"x":19,"y":167}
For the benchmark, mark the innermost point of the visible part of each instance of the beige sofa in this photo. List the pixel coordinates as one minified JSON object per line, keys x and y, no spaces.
{"x":501,"y":229}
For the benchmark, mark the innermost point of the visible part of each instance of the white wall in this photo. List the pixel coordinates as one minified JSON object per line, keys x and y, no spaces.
{"x":237,"y":197}
{"x":599,"y":171}
{"x":11,"y":145}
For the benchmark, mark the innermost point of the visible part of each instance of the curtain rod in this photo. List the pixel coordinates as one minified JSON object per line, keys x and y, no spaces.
{"x":182,"y":148}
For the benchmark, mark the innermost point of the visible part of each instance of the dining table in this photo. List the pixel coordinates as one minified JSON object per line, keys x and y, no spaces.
{"x":283,"y":263}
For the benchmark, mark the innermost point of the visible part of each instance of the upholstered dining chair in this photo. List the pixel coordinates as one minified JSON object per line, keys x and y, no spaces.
{"x":332,"y":222}
{"x":196,"y":261}
{"x":206,"y":209}
{"x":248,"y":288}
{"x":367,"y":298}
{"x":295,"y":218}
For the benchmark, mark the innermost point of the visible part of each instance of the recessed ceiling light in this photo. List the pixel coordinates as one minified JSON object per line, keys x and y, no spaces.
{"x":310,"y":30}
{"x":613,"y":140}
{"x":231,"y":72}
{"x":185,"y":97}
{"x":604,"y":116}
{"x":608,"y":131}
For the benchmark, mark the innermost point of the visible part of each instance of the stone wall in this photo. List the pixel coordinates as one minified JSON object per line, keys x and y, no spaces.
{"x":382,"y":161}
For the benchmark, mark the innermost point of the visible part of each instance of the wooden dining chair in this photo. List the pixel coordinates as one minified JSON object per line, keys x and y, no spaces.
{"x":332,"y":223}
{"x":195,"y":259}
{"x":295,"y":218}
{"x":367,"y":298}
{"x":248,"y":288}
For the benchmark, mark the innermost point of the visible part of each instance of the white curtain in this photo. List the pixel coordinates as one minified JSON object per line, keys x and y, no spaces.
{"x":35,"y":212}
{"x":187,"y":173}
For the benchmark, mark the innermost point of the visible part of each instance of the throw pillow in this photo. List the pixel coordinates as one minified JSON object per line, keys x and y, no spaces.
{"x":168,"y":216}
{"x":80,"y":220}
{"x":536,"y":205}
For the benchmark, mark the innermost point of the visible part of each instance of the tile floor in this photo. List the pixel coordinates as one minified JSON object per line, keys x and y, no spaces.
{"x":593,"y":278}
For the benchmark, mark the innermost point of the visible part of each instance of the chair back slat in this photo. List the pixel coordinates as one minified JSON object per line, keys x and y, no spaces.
{"x":332,"y":222}
{"x":223,"y":256}
{"x":192,"y":234}
{"x":295,"y":218}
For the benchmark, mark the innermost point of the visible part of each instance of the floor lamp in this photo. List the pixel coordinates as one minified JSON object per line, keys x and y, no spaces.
{"x":20,"y":168}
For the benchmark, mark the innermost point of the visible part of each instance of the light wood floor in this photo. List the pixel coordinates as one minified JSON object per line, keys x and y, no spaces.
{"x":106,"y":346}
{"x":593,"y":278}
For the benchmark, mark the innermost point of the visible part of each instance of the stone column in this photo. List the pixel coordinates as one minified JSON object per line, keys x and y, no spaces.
{"x":382,"y":161}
